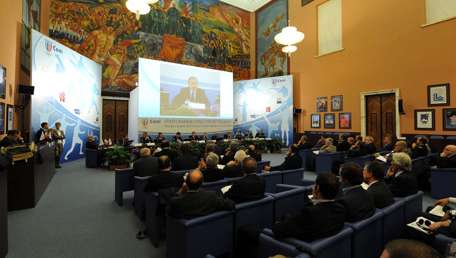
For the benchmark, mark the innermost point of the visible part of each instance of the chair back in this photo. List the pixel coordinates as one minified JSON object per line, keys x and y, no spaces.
{"x":413,"y":206}
{"x":215,"y":186}
{"x":293,"y":177}
{"x":271,"y":179}
{"x":123,"y":182}
{"x":288,"y":202}
{"x":442,"y":182}
{"x":367,"y":238}
{"x":154,"y":219}
{"x":307,"y":159}
{"x":259,"y":213}
{"x":393,"y":221}
{"x":324,"y":161}
{"x":261,"y":164}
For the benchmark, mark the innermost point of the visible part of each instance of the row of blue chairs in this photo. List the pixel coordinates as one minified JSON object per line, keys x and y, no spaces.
{"x":124,"y":180}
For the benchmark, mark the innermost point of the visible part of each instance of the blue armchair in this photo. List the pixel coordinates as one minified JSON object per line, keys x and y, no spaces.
{"x":261,"y":164}
{"x":393,"y":220}
{"x":362,"y":160}
{"x":194,"y":238}
{"x":155,"y":219}
{"x":324,"y":161}
{"x":139,"y":198}
{"x":442,"y":182}
{"x":293,"y":177}
{"x":307,"y":159}
{"x":215,"y":186}
{"x":288,"y":199}
{"x":123,"y":182}
{"x":367,"y":237}
{"x":258,"y":213}
{"x":180,"y":172}
{"x":338,"y":245}
{"x":413,"y":206}
{"x":271,"y":180}
{"x":441,"y":242}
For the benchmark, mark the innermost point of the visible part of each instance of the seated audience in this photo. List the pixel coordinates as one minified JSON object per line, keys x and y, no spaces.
{"x":210,"y":147}
{"x":160,"y":138}
{"x":342,"y":143}
{"x":11,"y":138}
{"x":399,"y":178}
{"x":304,"y":144}
{"x":166,"y":150}
{"x":164,"y":179}
{"x":194,"y":137}
{"x":292,"y":161}
{"x":420,"y":148}
{"x":193,"y":202}
{"x":447,"y":159}
{"x":177,"y":137}
{"x":209,"y":168}
{"x":145,"y":138}
{"x":401,"y":146}
{"x":447,"y":226}
{"x":324,"y":217}
{"x":91,"y":143}
{"x":234,"y":167}
{"x":368,"y":146}
{"x":146,"y":165}
{"x":373,"y":176}
{"x":405,"y":248}
{"x":387,"y":143}
{"x":219,"y":149}
{"x":251,"y":151}
{"x":328,"y":147}
{"x":320,"y":142}
{"x":186,"y":159}
{"x":356,"y":149}
{"x":359,"y":205}
{"x":229,"y":153}
{"x":249,"y":188}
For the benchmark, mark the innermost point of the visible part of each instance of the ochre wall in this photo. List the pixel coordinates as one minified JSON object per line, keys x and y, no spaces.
{"x":385,"y":47}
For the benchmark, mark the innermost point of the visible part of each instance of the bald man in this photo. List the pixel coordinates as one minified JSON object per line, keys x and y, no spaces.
{"x":403,"y":248}
{"x":193,"y":202}
{"x":447,"y":159}
{"x":192,"y":93}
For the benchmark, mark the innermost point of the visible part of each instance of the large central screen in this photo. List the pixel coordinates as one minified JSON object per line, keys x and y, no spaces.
{"x":174,"y":97}
{"x":169,"y":90}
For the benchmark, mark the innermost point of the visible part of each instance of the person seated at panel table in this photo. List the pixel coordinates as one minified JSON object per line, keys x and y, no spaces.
{"x":420,"y":147}
{"x":186,"y":159}
{"x":342,"y":143}
{"x":43,"y":135}
{"x":260,"y":134}
{"x":166,"y":151}
{"x":359,"y":205}
{"x":177,"y":137}
{"x":146,"y":165}
{"x":250,"y":135}
{"x":239,"y":135}
{"x":160,"y":138}
{"x":194,"y":137}
{"x":406,"y":248}
{"x":193,"y":202}
{"x":209,"y":168}
{"x":191,"y":94}
{"x":91,"y":143}
{"x":400,"y":178}
{"x":328,"y":147}
{"x":12,"y":138}
{"x":292,"y":161}
{"x":388,"y":144}
{"x":304,"y":144}
{"x":205,"y":137}
{"x":252,"y":152}
{"x":234,"y":167}
{"x":447,"y":158}
{"x":373,"y":175}
{"x":145,"y":138}
{"x":249,"y":188}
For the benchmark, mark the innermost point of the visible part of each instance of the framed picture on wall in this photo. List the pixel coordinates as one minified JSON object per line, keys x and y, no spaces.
{"x":439,"y":95}
{"x":449,"y":119}
{"x":9,"y":117}
{"x":315,"y":121}
{"x":330,"y":120}
{"x":322,"y":104}
{"x":424,"y":119}
{"x":345,"y":120}
{"x":337,"y":103}
{"x":2,"y":118}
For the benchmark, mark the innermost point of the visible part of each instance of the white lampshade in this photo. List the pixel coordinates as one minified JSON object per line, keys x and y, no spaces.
{"x":289,"y":49}
{"x":139,"y":7}
{"x":289,"y":36}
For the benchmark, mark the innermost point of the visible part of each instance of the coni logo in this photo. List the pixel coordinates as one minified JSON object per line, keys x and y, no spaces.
{"x":50,"y":47}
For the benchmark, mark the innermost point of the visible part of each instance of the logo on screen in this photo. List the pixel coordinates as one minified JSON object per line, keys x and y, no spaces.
{"x":50,"y":47}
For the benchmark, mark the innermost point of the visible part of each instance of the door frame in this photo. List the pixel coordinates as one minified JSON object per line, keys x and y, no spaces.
{"x":363,"y":96}
{"x":108,"y":98}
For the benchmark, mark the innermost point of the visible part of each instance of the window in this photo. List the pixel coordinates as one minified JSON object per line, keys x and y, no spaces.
{"x":329,"y":27}
{"x":440,"y":10}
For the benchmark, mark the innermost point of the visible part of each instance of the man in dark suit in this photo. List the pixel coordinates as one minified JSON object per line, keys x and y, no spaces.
{"x":166,"y":151}
{"x":249,"y":188}
{"x":342,"y":143}
{"x":324,"y":217}
{"x":193,"y":202}
{"x":42,"y":136}
{"x":165,"y":179}
{"x":358,"y":203}
{"x":146,"y":165}
{"x":399,"y":178}
{"x":252,"y":152}
{"x":145,"y":138}
{"x":178,"y":137}
{"x":186,"y":160}
{"x":160,"y":138}
{"x":292,"y":160}
{"x":447,"y":159}
{"x":209,"y":168}
{"x":373,"y":177}
{"x":194,"y":137}
{"x":191,"y":94}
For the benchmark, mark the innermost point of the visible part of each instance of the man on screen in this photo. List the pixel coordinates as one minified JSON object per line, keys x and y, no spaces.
{"x":192,"y":98}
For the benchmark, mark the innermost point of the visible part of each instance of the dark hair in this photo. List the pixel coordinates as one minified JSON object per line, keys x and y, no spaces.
{"x":194,"y":184}
{"x":405,"y":248}
{"x":165,"y":144}
{"x":328,"y":185}
{"x":185,"y":148}
{"x":164,"y":162}
{"x":352,"y":173}
{"x":294,"y":148}
{"x":210,"y":147}
{"x":249,"y":165}
{"x":377,"y":169}
{"x":178,"y":133}
{"x":43,"y":124}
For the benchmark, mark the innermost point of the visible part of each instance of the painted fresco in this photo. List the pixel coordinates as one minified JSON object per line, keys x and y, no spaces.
{"x":271,"y":61}
{"x":205,"y":33}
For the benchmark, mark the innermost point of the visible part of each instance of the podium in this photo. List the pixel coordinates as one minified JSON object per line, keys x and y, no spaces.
{"x":28,"y":179}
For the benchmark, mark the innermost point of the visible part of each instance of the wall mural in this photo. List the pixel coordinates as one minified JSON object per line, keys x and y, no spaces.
{"x":271,"y":61}
{"x":205,"y":33}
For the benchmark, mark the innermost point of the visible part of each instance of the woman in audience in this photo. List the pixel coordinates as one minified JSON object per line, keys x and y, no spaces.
{"x":368,"y":146}
{"x":145,"y":138}
{"x":292,"y":161}
{"x":420,"y":147}
{"x":234,"y":167}
{"x":401,"y":146}
{"x":328,"y":147}
{"x":447,"y":159}
{"x":400,"y":179}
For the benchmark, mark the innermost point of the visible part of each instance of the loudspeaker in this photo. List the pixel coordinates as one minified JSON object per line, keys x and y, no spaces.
{"x":401,"y":107}
{"x":297,"y":111}
{"x":26,"y":89}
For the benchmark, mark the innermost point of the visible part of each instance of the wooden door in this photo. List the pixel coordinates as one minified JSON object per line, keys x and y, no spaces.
{"x":380,"y":116}
{"x":115,"y":119}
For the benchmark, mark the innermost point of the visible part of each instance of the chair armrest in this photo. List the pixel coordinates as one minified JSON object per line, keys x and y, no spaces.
{"x":245,"y":205}
{"x":317,"y":245}
{"x":205,"y":219}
